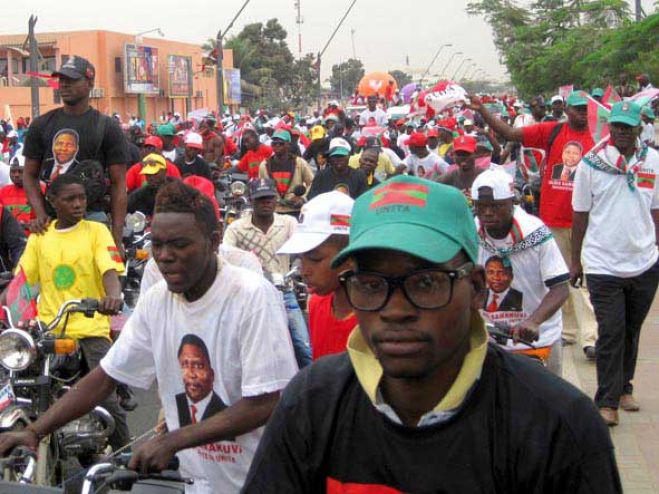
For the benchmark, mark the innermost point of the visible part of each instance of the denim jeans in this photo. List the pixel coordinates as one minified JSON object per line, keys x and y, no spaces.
{"x":298,"y":328}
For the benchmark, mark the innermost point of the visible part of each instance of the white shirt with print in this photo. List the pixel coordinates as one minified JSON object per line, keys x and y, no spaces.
{"x":430,"y":164}
{"x":620,"y":238}
{"x":242,"y":321}
{"x":379,"y":115}
{"x":535,"y":270}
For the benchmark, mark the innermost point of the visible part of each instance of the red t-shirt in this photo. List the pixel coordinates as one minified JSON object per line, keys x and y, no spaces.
{"x":250,"y":162}
{"x":568,"y":148}
{"x":134,"y":180}
{"x":328,"y":334}
{"x":15,"y":200}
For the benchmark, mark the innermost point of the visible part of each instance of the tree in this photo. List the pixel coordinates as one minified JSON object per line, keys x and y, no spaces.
{"x":402,"y":78}
{"x":580,"y":42}
{"x":346,"y":76}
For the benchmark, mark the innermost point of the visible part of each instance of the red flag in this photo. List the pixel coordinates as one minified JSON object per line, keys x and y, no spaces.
{"x":20,"y":299}
{"x":610,"y":97}
{"x":598,"y":116}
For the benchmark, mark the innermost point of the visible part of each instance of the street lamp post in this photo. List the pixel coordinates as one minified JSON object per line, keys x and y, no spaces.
{"x":449,"y":62}
{"x":455,"y":74}
{"x":34,"y":67}
{"x":433,"y":61}
{"x":468,"y":69}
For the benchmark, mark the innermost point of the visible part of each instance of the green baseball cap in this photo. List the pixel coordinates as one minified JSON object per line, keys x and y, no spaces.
{"x":598,"y":91}
{"x":577,"y":98}
{"x":626,"y":112}
{"x":415,"y":216}
{"x":166,"y":130}
{"x":283,"y":135}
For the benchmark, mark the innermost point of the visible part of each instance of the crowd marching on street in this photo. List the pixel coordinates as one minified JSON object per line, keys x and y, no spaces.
{"x":346,"y":301}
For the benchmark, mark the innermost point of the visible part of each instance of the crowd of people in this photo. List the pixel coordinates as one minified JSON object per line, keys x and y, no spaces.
{"x":410,"y":233}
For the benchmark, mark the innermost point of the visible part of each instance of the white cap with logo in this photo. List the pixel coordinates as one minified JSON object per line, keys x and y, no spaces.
{"x":499,"y":181}
{"x":324,"y":215}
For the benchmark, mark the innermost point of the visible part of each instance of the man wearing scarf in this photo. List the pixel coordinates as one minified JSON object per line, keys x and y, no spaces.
{"x":614,"y":232}
{"x":513,"y":241}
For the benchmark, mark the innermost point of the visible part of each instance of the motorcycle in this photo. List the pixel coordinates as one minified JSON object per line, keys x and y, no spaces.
{"x":292,"y":281}
{"x":137,"y":244}
{"x":113,"y":476}
{"x":501,"y":333}
{"x":40,"y":364}
{"x":234,"y":200}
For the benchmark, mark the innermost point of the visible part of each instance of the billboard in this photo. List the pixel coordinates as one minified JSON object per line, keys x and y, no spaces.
{"x":141,"y":75}
{"x":179,"y":73}
{"x":232,"y":93}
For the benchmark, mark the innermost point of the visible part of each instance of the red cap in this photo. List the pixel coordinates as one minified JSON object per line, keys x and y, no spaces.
{"x":400,"y":122}
{"x":433,"y":133}
{"x":465,"y":143}
{"x":154,"y":141}
{"x":417,"y":139}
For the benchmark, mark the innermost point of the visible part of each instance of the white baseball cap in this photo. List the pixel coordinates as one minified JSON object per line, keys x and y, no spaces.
{"x":499,"y":181}
{"x":194,"y":140}
{"x":556,"y":97}
{"x":324,"y":215}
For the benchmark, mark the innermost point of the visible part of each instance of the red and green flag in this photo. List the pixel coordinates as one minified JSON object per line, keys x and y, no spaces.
{"x":403,"y":194}
{"x":114,"y":253}
{"x":21,"y":301}
{"x":645,"y":180}
{"x":610,"y":96}
{"x":598,"y":117}
{"x":340,"y":220}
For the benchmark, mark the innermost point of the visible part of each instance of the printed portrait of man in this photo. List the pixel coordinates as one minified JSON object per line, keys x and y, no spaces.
{"x":571,"y":156}
{"x":199,"y":401}
{"x":501,"y":297}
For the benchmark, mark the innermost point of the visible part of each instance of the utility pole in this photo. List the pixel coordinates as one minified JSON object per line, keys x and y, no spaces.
{"x":34,"y":67}
{"x":639,"y":11}
{"x":219,"y":74}
{"x":299,"y":21}
{"x":354,"y":52}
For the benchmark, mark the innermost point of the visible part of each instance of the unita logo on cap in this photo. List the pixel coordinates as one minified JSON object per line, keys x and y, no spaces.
{"x":401,"y":194}
{"x":340,"y":220}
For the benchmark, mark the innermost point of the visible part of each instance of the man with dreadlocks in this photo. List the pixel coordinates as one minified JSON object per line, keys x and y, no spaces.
{"x":525,"y":272}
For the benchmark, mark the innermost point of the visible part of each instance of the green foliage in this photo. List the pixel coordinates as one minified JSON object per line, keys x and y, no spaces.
{"x":582,"y":42}
{"x":402,"y":78}
{"x":346,"y":76}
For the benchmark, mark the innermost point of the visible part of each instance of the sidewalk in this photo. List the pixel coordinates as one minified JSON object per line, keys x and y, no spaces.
{"x":636,"y":439}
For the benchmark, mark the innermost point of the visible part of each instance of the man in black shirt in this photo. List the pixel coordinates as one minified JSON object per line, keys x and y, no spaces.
{"x":144,"y":198}
{"x":421,"y":402}
{"x":75,"y":132}
{"x":339,"y":175}
{"x":190,"y":163}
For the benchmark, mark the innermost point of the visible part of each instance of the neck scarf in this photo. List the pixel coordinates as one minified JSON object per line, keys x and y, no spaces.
{"x":606,"y":158}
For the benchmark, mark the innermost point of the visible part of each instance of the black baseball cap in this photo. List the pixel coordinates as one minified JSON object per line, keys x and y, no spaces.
{"x":263,"y":187}
{"x":76,"y":67}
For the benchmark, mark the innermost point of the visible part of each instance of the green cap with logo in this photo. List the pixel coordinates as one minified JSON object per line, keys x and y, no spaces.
{"x":415,"y":216}
{"x":626,"y":112}
{"x":166,"y":130}
{"x":577,"y":98}
{"x":282,"y":134}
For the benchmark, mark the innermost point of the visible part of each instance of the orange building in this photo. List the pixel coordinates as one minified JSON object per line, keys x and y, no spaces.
{"x":106,"y":50}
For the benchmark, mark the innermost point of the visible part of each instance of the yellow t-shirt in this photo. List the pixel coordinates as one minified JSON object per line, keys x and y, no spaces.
{"x":385,"y":166}
{"x":70,"y":264}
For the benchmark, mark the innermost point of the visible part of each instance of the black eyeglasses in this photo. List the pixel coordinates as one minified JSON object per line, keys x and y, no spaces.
{"x":425,"y":289}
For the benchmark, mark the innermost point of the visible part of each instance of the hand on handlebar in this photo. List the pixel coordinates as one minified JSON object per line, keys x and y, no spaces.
{"x":110,"y":305}
{"x":154,"y":456}
{"x":525,"y":331}
{"x":10,"y":440}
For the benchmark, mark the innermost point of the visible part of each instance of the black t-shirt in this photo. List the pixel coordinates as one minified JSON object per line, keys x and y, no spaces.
{"x":58,"y":136}
{"x":198,"y":167}
{"x":354,"y":183}
{"x":520,"y":430}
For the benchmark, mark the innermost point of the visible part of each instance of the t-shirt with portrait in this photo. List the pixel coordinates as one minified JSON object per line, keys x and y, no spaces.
{"x":58,"y":140}
{"x":519,"y":271}
{"x":556,"y":189}
{"x":207,"y":355}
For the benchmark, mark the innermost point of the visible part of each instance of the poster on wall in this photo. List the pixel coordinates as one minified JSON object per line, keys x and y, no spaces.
{"x":141,"y":71}
{"x":232,"y":93}
{"x":179,"y":73}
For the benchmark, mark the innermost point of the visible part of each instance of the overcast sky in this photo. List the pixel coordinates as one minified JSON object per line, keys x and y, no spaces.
{"x":386,"y":32}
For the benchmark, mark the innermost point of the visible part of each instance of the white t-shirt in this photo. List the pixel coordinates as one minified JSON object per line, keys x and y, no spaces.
{"x":524,"y":120}
{"x":379,"y":116}
{"x":535,"y":270}
{"x":170,"y":155}
{"x":229,"y":253}
{"x":393,"y":157}
{"x":242,"y":323}
{"x":648,"y":134}
{"x":620,"y":238}
{"x":423,"y":167}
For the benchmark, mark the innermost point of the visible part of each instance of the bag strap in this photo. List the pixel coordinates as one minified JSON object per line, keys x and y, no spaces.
{"x":99,"y":136}
{"x":553,"y":135}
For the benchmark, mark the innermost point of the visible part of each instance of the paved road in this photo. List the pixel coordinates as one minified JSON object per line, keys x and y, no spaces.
{"x":145,"y":415}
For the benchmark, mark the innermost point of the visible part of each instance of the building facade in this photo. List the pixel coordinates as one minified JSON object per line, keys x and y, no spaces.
{"x":106,"y":50}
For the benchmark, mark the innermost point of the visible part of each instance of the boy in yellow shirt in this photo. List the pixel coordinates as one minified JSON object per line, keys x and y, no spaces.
{"x":76,"y":259}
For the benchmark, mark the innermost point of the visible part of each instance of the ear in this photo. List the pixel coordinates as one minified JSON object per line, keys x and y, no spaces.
{"x":216,"y":238}
{"x":478,"y":283}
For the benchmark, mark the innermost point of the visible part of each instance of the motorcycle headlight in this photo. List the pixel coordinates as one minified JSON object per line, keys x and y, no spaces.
{"x":238,"y":188}
{"x":17,"y":349}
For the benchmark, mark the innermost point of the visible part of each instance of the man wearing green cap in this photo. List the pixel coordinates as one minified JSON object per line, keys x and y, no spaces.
{"x":167,"y":132}
{"x":556,"y":196}
{"x":648,"y":133}
{"x":597,"y":94}
{"x":421,"y":402}
{"x":616,"y":211}
{"x":339,"y":175}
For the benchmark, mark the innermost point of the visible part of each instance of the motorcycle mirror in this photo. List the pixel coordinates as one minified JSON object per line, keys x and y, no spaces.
{"x":299,"y":190}
{"x":136,"y":221}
